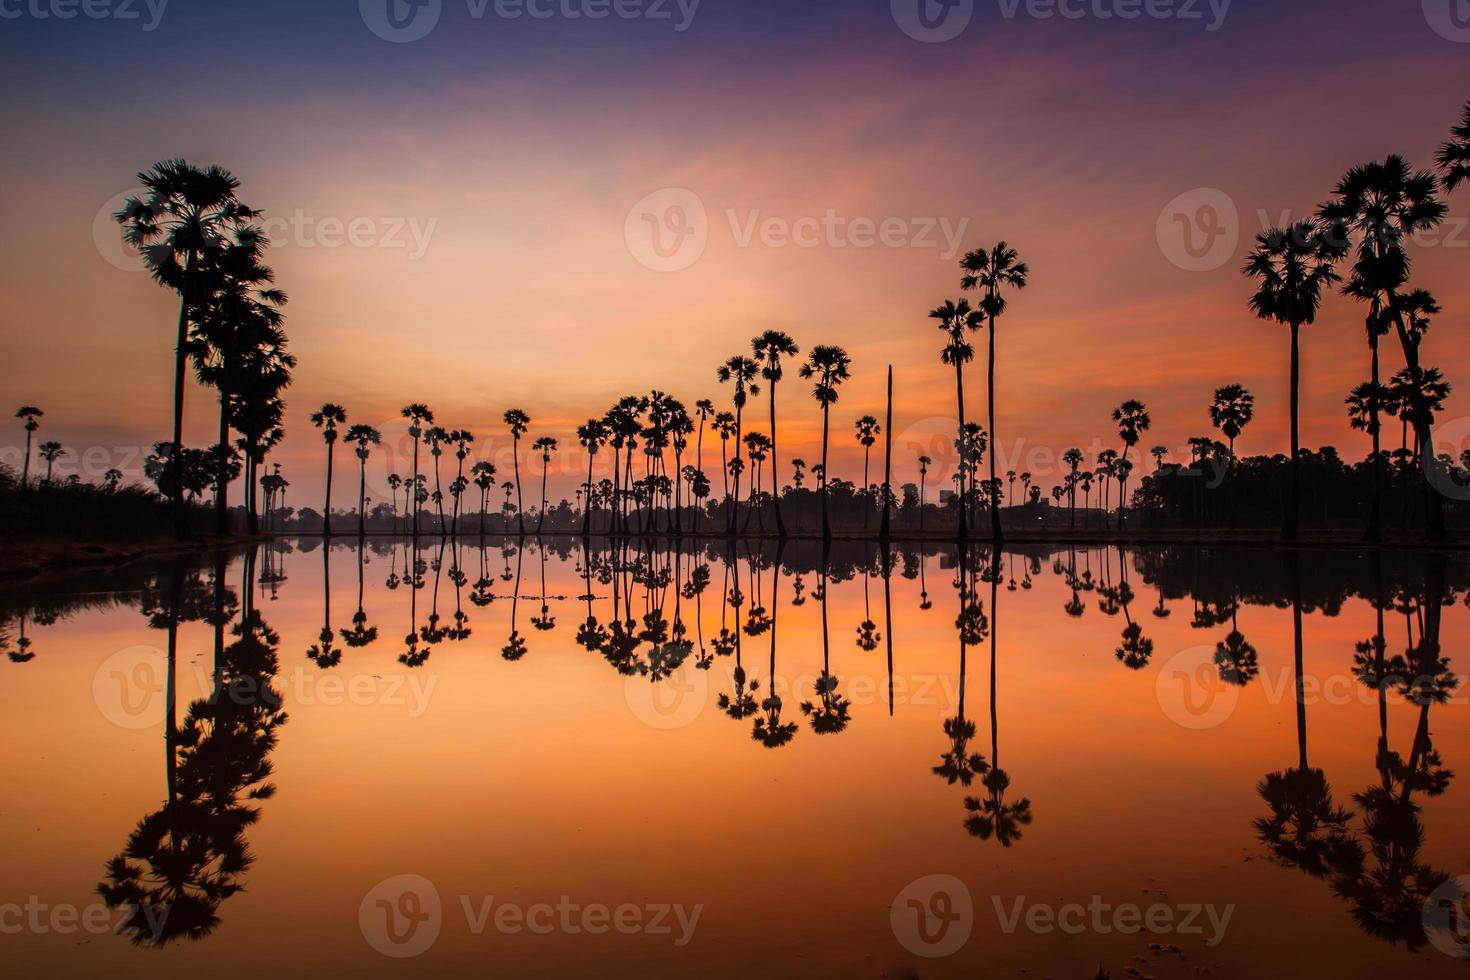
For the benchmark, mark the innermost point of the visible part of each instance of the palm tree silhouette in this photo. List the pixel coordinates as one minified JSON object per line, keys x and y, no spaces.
{"x":187,"y":216}
{"x":1305,"y":828}
{"x":418,"y":416}
{"x":365,"y":437}
{"x":769,"y":348}
{"x":955,"y":319}
{"x":830,"y":713}
{"x":545,"y":446}
{"x":31,"y":415}
{"x":51,"y":452}
{"x":327,"y":418}
{"x":994,"y":816}
{"x":1293,"y":266}
{"x":1133,"y":420}
{"x":1386,"y":204}
{"x":592,"y":434}
{"x":828,"y":367}
{"x":1073,"y":458}
{"x":740,"y":372}
{"x":991,"y":272}
{"x":924,"y":463}
{"x":1453,"y":157}
{"x":867,"y":431}
{"x":518,"y":422}
{"x":361,"y":634}
{"x":1231,"y":411}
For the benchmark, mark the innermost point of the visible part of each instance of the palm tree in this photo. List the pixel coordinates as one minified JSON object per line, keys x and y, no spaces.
{"x":1293,"y":266}
{"x":111,"y":479}
{"x":545,"y":446}
{"x":769,"y":348}
{"x":519,"y":422}
{"x":418,"y":416}
{"x":51,"y":452}
{"x":867,"y":431}
{"x":365,"y":436}
{"x":991,"y":272}
{"x":1231,"y":411}
{"x":740,"y":372}
{"x":592,"y":434}
{"x":437,"y":436}
{"x":1454,"y":156}
{"x":829,"y":366}
{"x":1133,"y":420}
{"x":327,"y":418}
{"x":188,"y":216}
{"x":955,"y":318}
{"x":30,"y":413}
{"x":924,"y":463}
{"x":484,"y":480}
{"x":1386,"y":204}
{"x":1073,"y":458}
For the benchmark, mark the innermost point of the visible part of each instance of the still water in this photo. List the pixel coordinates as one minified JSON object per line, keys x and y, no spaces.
{"x":489,"y":758}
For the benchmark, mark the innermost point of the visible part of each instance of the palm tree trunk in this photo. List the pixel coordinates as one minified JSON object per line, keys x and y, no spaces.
{"x":221,"y":477}
{"x":995,"y":531}
{"x":520,"y":503}
{"x":361,"y":496}
{"x":1293,"y":510}
{"x":587,"y":501}
{"x":413,"y":491}
{"x":25,"y":470}
{"x":775,"y":469}
{"x":826,"y":428}
{"x":1375,"y":502}
{"x":327,"y":510}
{"x":1294,"y":570}
{"x":541,"y":522}
{"x":181,"y":525}
{"x":735,"y":499}
{"x":959,"y":384}
{"x":888,"y":472}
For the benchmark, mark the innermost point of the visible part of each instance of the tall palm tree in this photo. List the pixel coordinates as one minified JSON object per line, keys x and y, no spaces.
{"x":769,"y":348}
{"x":1133,"y":420}
{"x":867,"y":432}
{"x":740,"y":372}
{"x":187,"y":216}
{"x":545,"y":446}
{"x":418,"y":416}
{"x":924,"y":463}
{"x":1073,"y":458}
{"x":1454,"y":156}
{"x":365,"y":437}
{"x":955,"y":319}
{"x":991,"y":272}
{"x":31,"y":414}
{"x":51,"y":452}
{"x":436,"y":437}
{"x":1293,"y":266}
{"x":828,"y":367}
{"x":327,"y":418}
{"x":592,"y":434}
{"x":519,"y":422}
{"x":1385,"y":204}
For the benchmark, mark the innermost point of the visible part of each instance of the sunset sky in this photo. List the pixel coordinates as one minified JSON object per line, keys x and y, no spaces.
{"x":492,"y":174}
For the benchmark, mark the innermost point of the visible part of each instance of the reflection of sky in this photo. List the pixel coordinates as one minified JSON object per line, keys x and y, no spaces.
{"x":517,"y":147}
{"x":549,"y":776}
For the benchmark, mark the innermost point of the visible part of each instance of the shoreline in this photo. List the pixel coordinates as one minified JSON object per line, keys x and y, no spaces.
{"x":58,"y":558}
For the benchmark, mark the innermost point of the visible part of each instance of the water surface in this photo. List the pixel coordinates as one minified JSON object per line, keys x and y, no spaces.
{"x":536,"y":760}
